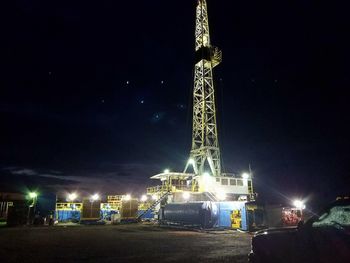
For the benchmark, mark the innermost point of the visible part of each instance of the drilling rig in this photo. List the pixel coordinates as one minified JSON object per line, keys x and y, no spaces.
{"x":206,"y":181}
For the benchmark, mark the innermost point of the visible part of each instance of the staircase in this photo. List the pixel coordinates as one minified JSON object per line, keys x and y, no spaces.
{"x":211,"y":196}
{"x":153,"y":205}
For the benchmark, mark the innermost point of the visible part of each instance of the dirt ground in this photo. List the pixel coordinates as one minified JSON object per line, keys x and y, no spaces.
{"x":121,"y":243}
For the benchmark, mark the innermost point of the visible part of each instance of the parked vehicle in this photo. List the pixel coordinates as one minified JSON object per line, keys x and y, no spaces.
{"x":324,"y":238}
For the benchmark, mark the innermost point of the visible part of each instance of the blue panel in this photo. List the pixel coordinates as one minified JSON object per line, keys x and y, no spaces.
{"x":244,"y":219}
{"x":148,"y":215}
{"x":225,"y":210}
{"x":225,"y":218}
{"x":67,"y":215}
{"x":106,"y":214}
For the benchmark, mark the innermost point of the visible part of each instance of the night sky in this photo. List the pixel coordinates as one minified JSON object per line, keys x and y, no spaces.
{"x":96,"y":95}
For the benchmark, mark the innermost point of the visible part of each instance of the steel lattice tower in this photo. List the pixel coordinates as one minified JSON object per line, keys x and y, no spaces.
{"x":205,"y":145}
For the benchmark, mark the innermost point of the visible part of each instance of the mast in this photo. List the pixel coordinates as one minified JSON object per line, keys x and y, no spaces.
{"x":205,"y":146}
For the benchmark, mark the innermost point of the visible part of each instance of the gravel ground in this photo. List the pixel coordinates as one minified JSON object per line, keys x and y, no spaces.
{"x":122,"y":243}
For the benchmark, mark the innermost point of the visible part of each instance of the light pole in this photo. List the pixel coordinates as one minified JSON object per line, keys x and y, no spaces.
{"x":33,"y":196}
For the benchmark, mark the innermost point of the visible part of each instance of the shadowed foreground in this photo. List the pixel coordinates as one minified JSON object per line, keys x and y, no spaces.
{"x":123,"y":243}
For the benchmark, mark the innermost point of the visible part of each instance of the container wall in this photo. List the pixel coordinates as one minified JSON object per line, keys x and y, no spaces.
{"x":199,"y":214}
{"x":91,"y":210}
{"x":17,"y":213}
{"x":129,"y":209}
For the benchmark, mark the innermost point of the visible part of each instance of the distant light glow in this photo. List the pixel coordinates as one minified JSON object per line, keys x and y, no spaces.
{"x":33,"y":194}
{"x":191,"y":161}
{"x":166,"y":171}
{"x":72,"y":196}
{"x":206,"y":174}
{"x":95,"y":197}
{"x":127,"y":197}
{"x":144,"y":198}
{"x":299,"y":204}
{"x":245,"y":176}
{"x":186,"y":195}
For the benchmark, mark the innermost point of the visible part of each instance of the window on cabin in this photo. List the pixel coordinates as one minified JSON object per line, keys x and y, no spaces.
{"x":224,"y":181}
{"x":240,"y":182}
{"x":217,"y":180}
{"x":232,"y":181}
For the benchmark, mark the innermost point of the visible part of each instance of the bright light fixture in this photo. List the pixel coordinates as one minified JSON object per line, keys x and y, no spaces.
{"x":33,"y":195}
{"x":95,"y":197}
{"x":72,"y":196}
{"x":186,"y":195}
{"x":299,"y":204}
{"x":221,"y":196}
{"x":191,"y":161}
{"x":206,"y":174}
{"x":245,"y":176}
{"x":166,"y":171}
{"x":127,"y":197}
{"x":144,"y":198}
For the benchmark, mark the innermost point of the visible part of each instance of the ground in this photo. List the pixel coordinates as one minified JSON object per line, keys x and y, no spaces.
{"x":121,"y":243}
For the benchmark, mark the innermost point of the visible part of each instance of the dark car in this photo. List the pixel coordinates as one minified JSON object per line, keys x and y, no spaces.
{"x":324,"y":238}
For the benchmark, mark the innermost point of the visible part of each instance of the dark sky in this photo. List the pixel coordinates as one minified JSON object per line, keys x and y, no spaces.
{"x":95,"y":95}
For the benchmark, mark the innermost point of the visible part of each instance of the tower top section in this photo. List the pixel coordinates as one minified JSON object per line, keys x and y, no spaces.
{"x":202,"y":25}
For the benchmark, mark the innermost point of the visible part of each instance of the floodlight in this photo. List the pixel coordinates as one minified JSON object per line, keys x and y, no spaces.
{"x":95,"y":197}
{"x":245,"y":176}
{"x":127,"y":197}
{"x":299,"y":204}
{"x":186,"y":195}
{"x":33,"y":195}
{"x":72,"y":196}
{"x":144,"y":198}
{"x":191,"y":161}
{"x":206,"y":174}
{"x":166,"y":171}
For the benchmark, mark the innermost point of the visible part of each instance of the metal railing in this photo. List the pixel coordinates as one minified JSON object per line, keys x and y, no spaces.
{"x":167,"y":188}
{"x":157,"y":189}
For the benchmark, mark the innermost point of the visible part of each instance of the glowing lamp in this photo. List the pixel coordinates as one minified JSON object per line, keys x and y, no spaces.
{"x":245,"y":176}
{"x":191,"y":161}
{"x":33,"y":195}
{"x":95,"y":197}
{"x":72,"y":196}
{"x":144,"y":198}
{"x":299,"y":204}
{"x":186,"y":195}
